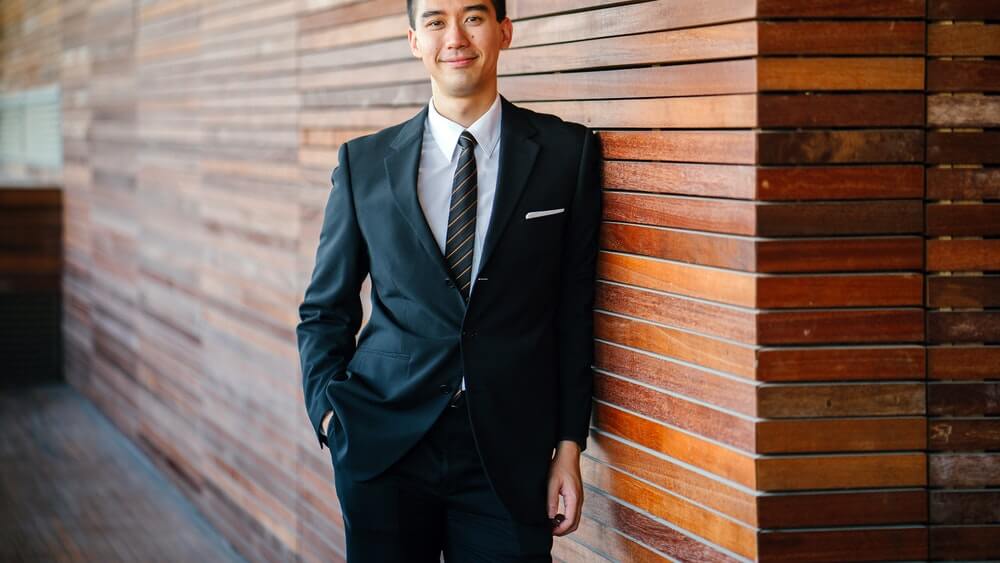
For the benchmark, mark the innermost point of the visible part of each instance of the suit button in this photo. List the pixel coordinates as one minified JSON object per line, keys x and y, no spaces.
{"x":445,"y":389}
{"x":449,"y":283}
{"x":469,"y":333}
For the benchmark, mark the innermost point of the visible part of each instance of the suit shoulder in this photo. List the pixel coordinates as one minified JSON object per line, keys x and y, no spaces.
{"x":552,"y":122}
{"x":369,"y":141}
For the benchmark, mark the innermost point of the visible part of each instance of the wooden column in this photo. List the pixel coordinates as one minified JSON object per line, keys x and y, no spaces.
{"x":839,"y":374}
{"x":963,"y":288}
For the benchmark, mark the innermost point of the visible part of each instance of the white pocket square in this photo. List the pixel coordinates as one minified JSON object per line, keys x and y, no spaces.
{"x":533,"y":214}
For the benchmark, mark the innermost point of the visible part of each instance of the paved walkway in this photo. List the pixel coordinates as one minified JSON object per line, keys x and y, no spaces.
{"x":72,"y":488}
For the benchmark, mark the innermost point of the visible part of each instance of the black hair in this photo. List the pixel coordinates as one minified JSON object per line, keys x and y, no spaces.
{"x":499,"y":6}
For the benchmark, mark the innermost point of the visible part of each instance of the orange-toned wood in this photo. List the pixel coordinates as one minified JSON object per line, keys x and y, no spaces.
{"x":842,"y":471}
{"x":678,"y":478}
{"x":723,"y":427}
{"x":840,"y":73}
{"x":714,"y":284}
{"x":707,"y":524}
{"x":719,"y":460}
{"x":703,"y":350}
{"x":841,"y":435}
{"x":682,"y":379}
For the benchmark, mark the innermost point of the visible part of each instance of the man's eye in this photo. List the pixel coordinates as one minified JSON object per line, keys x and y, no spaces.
{"x":431,"y":23}
{"x":476,"y":18}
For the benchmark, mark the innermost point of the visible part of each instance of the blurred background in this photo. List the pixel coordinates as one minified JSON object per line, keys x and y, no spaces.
{"x":798,"y":314}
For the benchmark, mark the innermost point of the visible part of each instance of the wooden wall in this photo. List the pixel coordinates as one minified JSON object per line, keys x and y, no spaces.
{"x":796,"y":311}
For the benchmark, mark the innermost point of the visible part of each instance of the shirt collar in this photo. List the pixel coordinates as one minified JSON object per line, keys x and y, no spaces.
{"x":486,"y":129}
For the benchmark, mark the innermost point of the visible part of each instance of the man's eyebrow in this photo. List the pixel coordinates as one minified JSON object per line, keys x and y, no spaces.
{"x":471,"y":8}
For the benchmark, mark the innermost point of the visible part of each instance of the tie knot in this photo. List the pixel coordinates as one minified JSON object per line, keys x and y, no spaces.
{"x":466,"y":140}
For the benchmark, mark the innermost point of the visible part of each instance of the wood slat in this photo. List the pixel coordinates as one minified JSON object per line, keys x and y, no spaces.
{"x":840,"y":472}
{"x":841,"y":400}
{"x":905,"y":543}
{"x":679,"y":378}
{"x":841,"y":364}
{"x":970,"y":470}
{"x":963,"y":183}
{"x":965,"y":39}
{"x":889,"y":507}
{"x":841,"y":9}
{"x":962,"y":9}
{"x":963,"y":362}
{"x":947,"y":75}
{"x":841,"y":110}
{"x":841,"y":38}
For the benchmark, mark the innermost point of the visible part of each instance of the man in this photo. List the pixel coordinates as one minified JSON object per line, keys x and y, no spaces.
{"x":477,"y":221}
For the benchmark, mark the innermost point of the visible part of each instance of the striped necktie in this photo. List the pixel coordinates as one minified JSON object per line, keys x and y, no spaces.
{"x":462,"y":216}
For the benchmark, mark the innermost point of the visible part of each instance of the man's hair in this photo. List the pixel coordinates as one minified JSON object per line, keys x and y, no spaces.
{"x":499,"y":6}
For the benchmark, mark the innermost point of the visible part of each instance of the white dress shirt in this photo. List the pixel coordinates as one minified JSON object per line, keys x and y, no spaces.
{"x":438,"y":159}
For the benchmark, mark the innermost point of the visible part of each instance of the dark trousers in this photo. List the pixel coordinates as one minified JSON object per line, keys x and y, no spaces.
{"x":436,"y":498}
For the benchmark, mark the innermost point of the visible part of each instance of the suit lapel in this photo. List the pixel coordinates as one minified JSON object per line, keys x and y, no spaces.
{"x":517,"y":158}
{"x":402,"y":166}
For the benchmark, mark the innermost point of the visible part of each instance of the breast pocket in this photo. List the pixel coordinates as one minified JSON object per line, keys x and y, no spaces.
{"x":541,"y":228}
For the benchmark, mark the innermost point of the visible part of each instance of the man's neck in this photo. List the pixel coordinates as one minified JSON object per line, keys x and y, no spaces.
{"x":464,"y":111}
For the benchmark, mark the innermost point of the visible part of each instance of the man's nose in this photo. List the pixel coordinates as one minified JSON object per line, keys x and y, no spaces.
{"x":455,"y":36}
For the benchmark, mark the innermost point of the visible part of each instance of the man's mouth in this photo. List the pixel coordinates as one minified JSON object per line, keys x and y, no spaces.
{"x":458,"y":63}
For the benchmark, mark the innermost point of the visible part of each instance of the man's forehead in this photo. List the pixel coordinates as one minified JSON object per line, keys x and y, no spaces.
{"x":433,"y":7}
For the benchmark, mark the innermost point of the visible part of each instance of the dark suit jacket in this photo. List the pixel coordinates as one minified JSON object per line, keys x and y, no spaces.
{"x":525,"y":341}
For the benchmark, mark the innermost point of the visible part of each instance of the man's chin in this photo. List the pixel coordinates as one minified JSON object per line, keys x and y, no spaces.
{"x":458,"y":89}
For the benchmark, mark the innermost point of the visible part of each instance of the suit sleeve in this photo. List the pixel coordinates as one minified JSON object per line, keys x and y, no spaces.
{"x":575,"y":313}
{"x":330,"y":313}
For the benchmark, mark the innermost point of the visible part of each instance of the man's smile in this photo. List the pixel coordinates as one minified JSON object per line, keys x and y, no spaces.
{"x":460,"y":62}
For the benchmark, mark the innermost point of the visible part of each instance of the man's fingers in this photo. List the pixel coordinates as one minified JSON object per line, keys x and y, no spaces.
{"x":572,"y":504}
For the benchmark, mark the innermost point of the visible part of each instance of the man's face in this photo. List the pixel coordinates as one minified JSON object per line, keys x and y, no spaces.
{"x":459,"y":42}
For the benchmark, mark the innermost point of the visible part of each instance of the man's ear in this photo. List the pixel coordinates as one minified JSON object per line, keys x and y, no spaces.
{"x":507,"y":31}
{"x":411,"y":37}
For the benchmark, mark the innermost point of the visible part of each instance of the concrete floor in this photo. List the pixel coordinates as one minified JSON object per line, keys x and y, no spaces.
{"x":73,"y":488}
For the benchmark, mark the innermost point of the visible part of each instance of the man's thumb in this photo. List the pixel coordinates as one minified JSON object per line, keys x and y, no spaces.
{"x":553,"y":497}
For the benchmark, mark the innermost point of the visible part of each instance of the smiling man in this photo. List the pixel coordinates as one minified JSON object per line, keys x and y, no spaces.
{"x":456,"y":420}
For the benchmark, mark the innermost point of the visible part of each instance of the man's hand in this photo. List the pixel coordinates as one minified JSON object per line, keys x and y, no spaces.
{"x":326,"y":422}
{"x":565,"y":481}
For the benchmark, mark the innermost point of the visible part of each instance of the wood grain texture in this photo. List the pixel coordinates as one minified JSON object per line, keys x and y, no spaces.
{"x":901,"y":544}
{"x":839,"y":508}
{"x":963,"y":322}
